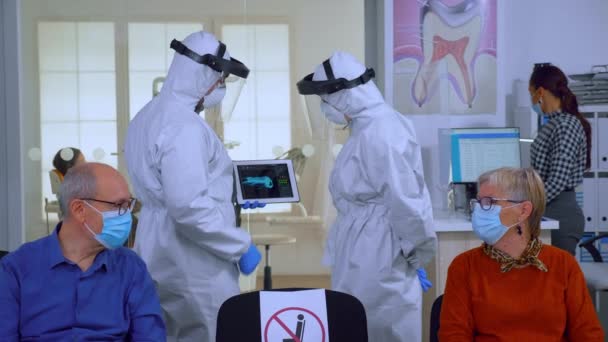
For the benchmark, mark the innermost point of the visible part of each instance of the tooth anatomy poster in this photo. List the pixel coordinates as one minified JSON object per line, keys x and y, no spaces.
{"x":444,"y":56}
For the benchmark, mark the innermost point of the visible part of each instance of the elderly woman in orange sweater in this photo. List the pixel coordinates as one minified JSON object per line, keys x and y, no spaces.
{"x":514,"y":288}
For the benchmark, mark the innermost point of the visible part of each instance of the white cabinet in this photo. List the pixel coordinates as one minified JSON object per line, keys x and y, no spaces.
{"x":589,"y":195}
{"x":594,"y":129}
{"x":602,"y":201}
{"x":602,"y":140}
{"x":594,"y":191}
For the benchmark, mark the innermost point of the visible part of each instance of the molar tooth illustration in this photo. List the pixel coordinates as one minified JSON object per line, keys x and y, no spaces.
{"x":265,"y":182}
{"x":444,"y":56}
{"x":450,"y":34}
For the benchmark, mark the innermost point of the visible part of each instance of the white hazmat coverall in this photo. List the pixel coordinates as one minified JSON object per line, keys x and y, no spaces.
{"x":384,"y":228}
{"x":183,"y":175}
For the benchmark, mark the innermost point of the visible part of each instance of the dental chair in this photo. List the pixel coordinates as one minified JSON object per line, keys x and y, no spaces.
{"x":52,"y":206}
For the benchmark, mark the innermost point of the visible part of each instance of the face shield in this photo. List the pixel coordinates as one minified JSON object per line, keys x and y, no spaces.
{"x":234,"y":86}
{"x":315,"y":92}
{"x":231,"y":78}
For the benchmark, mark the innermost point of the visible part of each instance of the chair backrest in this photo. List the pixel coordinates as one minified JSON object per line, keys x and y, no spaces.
{"x":435,"y":315}
{"x":239,"y":318}
{"x":56,"y":179}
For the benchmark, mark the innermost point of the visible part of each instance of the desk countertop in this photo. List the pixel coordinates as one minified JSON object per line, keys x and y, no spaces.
{"x":457,"y":222}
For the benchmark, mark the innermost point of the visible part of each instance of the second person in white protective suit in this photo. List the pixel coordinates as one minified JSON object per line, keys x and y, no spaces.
{"x":383,"y":234}
{"x":183,"y":175}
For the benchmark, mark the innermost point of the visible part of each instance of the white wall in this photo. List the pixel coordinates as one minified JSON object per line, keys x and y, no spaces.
{"x":556,"y":31}
{"x":11,"y":190}
{"x":315,"y":34}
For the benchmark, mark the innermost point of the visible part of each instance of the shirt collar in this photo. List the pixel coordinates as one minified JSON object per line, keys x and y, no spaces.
{"x":54,"y":248}
{"x":55,"y":255}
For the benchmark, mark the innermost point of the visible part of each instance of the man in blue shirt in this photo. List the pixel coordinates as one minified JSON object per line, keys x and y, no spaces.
{"x":78,"y":283}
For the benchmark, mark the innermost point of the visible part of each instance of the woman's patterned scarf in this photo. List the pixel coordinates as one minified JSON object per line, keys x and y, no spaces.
{"x":529,"y":257}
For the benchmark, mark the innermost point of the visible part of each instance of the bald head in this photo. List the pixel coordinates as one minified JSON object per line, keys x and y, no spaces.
{"x":92,"y":180}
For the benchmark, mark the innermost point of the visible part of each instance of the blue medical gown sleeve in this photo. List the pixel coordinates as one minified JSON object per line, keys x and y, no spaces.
{"x":184,"y":166}
{"x":393,"y":164}
{"x":144,"y":307}
{"x":9,"y":304}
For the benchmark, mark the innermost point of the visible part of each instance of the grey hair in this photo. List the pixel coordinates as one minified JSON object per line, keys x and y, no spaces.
{"x":508,"y":180}
{"x":79,"y":182}
{"x":520,"y":185}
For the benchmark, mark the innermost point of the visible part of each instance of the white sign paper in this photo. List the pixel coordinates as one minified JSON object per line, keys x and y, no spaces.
{"x":296,"y":316}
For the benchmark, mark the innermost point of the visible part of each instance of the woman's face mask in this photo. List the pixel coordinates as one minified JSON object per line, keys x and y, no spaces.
{"x":487,"y":225}
{"x":536,"y":104}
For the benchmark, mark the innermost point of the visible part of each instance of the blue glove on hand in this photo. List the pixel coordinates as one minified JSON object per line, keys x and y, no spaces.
{"x":253,"y":205}
{"x":250,"y":260}
{"x":424,"y":282}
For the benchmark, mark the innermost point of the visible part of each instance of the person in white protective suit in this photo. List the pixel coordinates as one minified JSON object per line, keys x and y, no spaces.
{"x":183,"y":175}
{"x":383,"y":234}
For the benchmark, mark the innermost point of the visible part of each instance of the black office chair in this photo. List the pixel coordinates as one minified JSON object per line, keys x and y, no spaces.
{"x":435,"y":316}
{"x":3,"y":253}
{"x":239,"y":318}
{"x":596,"y":272}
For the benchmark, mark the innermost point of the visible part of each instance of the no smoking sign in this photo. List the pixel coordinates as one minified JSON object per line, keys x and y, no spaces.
{"x":295,"y":324}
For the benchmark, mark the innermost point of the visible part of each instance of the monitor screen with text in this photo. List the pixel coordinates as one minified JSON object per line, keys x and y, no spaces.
{"x":477,"y":150}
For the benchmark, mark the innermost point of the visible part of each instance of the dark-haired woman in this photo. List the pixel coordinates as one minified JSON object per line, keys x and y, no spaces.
{"x":67,"y":158}
{"x":560,"y":153}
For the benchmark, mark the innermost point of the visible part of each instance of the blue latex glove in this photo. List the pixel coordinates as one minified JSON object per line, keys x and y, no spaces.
{"x":424,"y":282}
{"x":253,"y":205}
{"x":250,"y":260}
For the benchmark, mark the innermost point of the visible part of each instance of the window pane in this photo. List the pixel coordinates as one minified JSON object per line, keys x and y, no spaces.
{"x":178,"y":31}
{"x":46,"y":187}
{"x":246,"y":101}
{"x":58,"y":96}
{"x":147,"y":47}
{"x":271,"y":134}
{"x":262,"y":116}
{"x":240,"y":43}
{"x":99,"y":135}
{"x":57,"y":46}
{"x":243,"y":132}
{"x":271,"y":47}
{"x":140,"y":89}
{"x":96,"y":46}
{"x":273,"y":91}
{"x":97,"y":96}
{"x":55,"y":136}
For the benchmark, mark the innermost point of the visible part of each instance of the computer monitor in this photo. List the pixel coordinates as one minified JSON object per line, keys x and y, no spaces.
{"x":477,"y":150}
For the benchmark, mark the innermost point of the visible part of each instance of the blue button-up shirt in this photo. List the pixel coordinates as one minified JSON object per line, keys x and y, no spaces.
{"x":46,"y":297}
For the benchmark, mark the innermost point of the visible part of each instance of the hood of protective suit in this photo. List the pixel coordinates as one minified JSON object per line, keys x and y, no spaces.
{"x":356,"y":101}
{"x":188,"y":81}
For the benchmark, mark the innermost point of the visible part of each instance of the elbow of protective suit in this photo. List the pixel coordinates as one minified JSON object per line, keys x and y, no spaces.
{"x":421,"y":254}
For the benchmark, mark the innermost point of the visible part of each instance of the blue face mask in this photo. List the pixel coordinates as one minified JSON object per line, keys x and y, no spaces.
{"x":487,"y":225}
{"x":116,"y":228}
{"x":536,"y":107}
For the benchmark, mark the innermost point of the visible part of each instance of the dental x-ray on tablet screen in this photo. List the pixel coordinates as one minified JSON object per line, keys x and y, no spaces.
{"x":268,"y":181}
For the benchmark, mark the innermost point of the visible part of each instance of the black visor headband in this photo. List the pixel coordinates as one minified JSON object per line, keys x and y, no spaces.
{"x":309,"y":87}
{"x":215,"y":62}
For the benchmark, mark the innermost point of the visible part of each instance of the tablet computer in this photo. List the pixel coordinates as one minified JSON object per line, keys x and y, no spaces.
{"x":268,"y":181}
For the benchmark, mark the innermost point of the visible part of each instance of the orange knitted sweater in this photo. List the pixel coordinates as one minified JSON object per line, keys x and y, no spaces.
{"x":524,"y":304}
